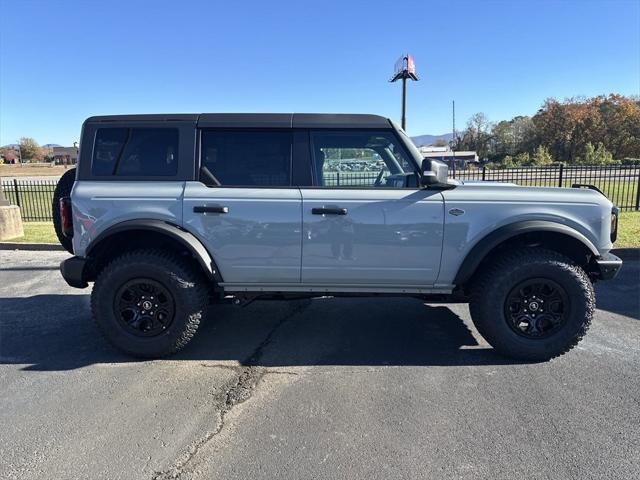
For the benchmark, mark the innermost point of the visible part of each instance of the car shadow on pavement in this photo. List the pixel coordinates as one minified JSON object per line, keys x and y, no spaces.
{"x":55,"y":332}
{"x":622,"y":294}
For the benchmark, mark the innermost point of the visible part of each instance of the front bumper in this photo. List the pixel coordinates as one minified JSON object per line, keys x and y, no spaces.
{"x":73,"y":271}
{"x":607,"y":266}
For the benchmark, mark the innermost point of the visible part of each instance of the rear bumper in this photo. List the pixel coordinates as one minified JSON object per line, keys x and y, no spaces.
{"x":607,"y":266}
{"x":72,"y":270}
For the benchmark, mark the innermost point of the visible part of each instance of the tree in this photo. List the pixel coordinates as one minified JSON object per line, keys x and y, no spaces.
{"x":440,"y":142}
{"x":507,"y":162}
{"x":541,"y":157}
{"x":596,"y":155}
{"x":509,"y":137}
{"x":566,"y":127}
{"x":477,"y":135}
{"x":29,"y":149}
{"x":9,"y":154}
{"x":563,"y":128}
{"x":522,"y":158}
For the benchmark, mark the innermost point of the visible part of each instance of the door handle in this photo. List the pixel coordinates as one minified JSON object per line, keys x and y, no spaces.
{"x":210,"y":209}
{"x":329,"y":211}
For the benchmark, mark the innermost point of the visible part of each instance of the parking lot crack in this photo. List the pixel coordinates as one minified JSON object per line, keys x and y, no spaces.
{"x":239,"y":391}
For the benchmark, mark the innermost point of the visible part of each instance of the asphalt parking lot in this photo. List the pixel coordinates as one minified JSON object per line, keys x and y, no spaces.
{"x":327,"y":388}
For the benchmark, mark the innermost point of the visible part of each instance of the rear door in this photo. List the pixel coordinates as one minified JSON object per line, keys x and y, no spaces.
{"x":363,"y":224}
{"x":244,"y":208}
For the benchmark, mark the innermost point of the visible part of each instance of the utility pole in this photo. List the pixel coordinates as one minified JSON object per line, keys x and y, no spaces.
{"x":454,"y":123}
{"x":405,"y":68}
{"x":453,"y":140}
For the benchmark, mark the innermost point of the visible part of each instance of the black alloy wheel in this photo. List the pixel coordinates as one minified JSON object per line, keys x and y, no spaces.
{"x":144,"y":307}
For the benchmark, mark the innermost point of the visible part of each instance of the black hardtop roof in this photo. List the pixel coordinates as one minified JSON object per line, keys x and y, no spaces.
{"x":256,"y":120}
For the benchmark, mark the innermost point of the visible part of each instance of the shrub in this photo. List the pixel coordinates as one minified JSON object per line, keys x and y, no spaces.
{"x":522,"y":159}
{"x":541,"y":157}
{"x":596,"y":155}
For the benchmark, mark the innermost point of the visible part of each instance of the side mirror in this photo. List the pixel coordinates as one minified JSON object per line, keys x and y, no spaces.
{"x":434,"y":172}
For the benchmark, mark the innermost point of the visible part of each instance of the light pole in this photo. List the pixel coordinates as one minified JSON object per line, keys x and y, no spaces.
{"x":405,"y":68}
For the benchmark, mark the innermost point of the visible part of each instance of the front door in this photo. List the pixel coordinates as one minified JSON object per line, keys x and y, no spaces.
{"x":362,"y":224}
{"x":244,"y":209}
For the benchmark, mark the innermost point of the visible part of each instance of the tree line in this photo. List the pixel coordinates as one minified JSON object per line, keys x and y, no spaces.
{"x":589,"y":131}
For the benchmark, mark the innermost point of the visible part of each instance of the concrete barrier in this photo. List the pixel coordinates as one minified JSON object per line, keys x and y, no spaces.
{"x":10,"y":222}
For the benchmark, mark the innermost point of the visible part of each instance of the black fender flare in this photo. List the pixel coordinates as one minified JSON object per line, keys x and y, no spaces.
{"x":480,"y":250}
{"x":175,"y":232}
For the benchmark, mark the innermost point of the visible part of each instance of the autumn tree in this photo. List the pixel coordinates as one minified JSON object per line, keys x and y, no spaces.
{"x":9,"y":154}
{"x":29,"y":149}
{"x":563,"y":128}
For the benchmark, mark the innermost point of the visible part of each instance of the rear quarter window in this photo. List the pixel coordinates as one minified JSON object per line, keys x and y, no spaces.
{"x":135,"y":152}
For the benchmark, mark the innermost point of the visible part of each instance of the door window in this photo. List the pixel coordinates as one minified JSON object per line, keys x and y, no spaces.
{"x":246,"y":158}
{"x":360,"y":159}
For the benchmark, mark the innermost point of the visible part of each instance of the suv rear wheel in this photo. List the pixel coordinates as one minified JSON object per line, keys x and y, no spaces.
{"x":532,"y":304}
{"x":149,"y":303}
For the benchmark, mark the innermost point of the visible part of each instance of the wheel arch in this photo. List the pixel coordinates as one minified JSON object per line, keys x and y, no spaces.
{"x":148,"y":233}
{"x":551,"y":235}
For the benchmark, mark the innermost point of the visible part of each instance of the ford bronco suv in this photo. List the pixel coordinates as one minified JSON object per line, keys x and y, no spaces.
{"x":168,"y":213}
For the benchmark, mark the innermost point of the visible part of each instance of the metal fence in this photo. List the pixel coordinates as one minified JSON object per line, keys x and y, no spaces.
{"x":34,"y":197}
{"x":621,"y":184}
{"x":349,"y":179}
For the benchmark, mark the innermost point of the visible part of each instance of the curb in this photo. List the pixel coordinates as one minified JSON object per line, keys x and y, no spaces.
{"x":31,"y":246}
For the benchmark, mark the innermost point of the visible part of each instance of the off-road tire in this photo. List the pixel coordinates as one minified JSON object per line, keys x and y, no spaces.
{"x":183,"y":280}
{"x":494,"y":283}
{"x":63,"y":189}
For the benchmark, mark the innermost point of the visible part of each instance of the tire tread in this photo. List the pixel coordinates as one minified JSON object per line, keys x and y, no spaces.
{"x":505,"y":265}
{"x":182,"y":272}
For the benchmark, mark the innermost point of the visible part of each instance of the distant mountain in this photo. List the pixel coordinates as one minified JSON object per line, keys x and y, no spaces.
{"x":421,"y":140}
{"x":51,"y":145}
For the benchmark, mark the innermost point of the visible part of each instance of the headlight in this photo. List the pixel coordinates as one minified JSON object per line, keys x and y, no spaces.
{"x":614,"y":224}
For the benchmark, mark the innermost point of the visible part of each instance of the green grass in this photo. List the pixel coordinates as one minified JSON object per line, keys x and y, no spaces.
{"x":37,"y":232}
{"x":628,"y":230}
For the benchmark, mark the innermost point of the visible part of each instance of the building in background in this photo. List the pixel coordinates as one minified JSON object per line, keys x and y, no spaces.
{"x":65,"y":155}
{"x":445,"y":154}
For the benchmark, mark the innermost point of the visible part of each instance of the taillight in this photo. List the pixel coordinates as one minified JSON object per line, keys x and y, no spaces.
{"x":66,"y":222}
{"x":614,"y":224}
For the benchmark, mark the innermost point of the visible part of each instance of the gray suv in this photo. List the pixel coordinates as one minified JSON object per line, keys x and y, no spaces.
{"x":168,"y":213}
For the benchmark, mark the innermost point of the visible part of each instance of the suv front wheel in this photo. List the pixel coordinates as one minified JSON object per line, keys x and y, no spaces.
{"x":532,"y":304}
{"x":149,"y":303}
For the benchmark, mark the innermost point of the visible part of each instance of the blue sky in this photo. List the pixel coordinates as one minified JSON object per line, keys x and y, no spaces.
{"x":62,"y":61}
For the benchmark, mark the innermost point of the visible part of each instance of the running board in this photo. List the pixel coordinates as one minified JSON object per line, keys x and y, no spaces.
{"x":334,"y":288}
